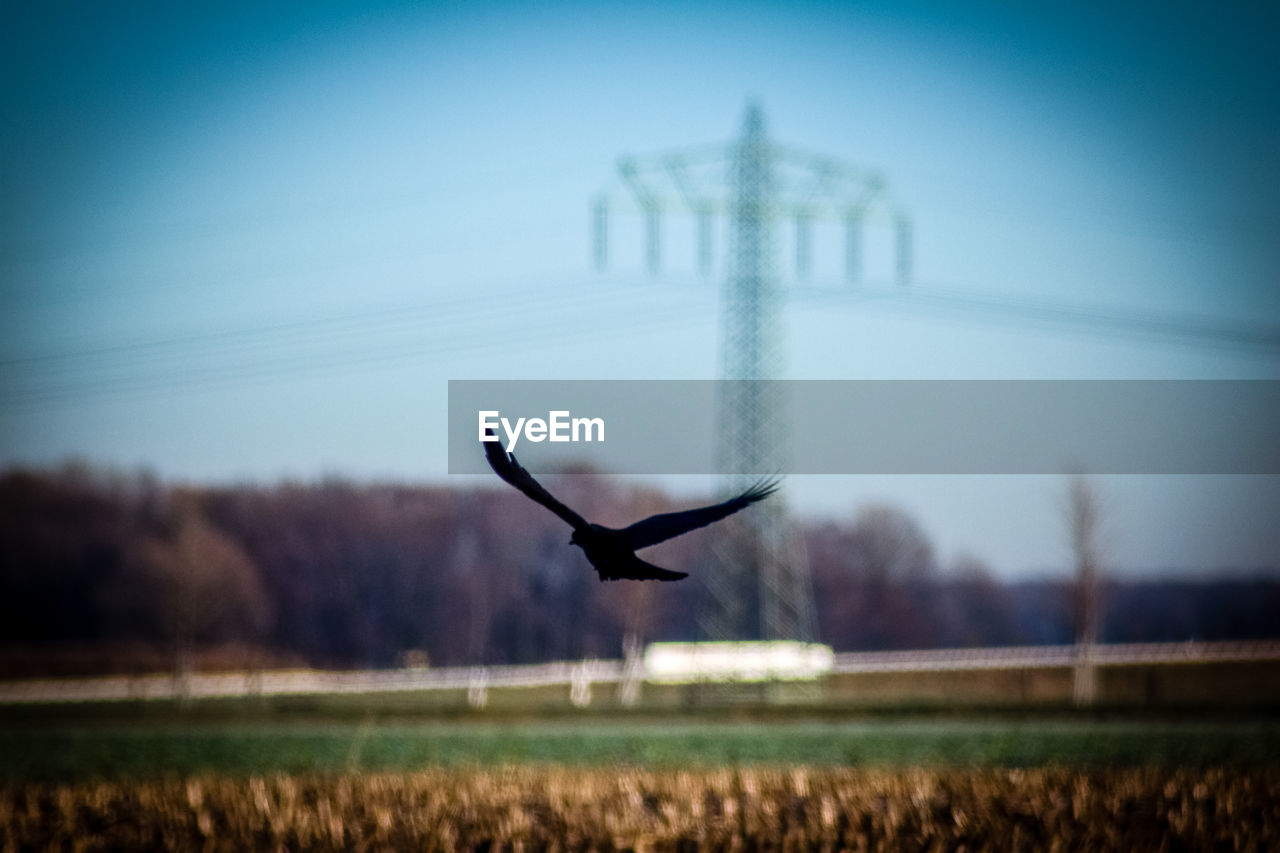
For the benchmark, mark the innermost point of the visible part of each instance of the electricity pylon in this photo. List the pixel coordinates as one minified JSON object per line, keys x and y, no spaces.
{"x":759,"y":587}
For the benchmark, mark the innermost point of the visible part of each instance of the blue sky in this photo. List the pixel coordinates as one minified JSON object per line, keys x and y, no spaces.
{"x":246,"y":243}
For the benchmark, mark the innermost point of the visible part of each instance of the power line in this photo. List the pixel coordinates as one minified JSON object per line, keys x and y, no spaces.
{"x":55,"y":373}
{"x":59,"y":375}
{"x":333,"y":323}
{"x":437,"y":339}
{"x":1094,"y":319}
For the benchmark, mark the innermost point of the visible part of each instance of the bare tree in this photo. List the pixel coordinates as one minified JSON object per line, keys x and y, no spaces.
{"x":1084,"y":518}
{"x":203,"y":586}
{"x":975,"y":608}
{"x":874,"y":581}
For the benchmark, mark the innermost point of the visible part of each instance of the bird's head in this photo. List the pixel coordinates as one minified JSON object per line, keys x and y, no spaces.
{"x":573,"y":539}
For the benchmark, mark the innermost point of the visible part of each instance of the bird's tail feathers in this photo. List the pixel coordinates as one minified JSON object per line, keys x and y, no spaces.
{"x":639,"y":570}
{"x":666,"y":575}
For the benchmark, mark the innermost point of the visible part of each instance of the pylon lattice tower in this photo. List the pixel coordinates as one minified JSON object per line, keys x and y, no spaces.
{"x":759,"y":586}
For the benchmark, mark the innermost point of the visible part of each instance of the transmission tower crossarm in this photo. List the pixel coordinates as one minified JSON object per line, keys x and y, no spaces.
{"x":828,"y":187}
{"x":643,"y":195}
{"x":717,"y":152}
{"x":670,"y":181}
{"x":821,"y":183}
{"x":678,"y":170}
{"x":842,"y":169}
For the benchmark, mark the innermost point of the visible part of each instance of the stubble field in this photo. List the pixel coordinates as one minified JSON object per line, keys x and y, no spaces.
{"x":746,"y":808}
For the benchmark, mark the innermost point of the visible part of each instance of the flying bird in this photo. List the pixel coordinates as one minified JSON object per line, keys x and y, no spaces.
{"x":612,"y":551}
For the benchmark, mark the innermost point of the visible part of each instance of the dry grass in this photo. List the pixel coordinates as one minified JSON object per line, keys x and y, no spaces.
{"x":556,"y":808}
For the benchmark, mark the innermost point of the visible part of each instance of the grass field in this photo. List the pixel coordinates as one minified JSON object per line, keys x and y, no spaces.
{"x":83,"y":750}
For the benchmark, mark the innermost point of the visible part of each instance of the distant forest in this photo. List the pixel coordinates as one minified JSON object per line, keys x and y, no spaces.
{"x":107,"y":572}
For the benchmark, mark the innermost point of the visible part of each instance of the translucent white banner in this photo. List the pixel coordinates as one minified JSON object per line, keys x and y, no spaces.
{"x":874,"y":427}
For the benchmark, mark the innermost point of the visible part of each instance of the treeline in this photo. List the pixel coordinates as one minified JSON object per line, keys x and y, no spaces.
{"x":108,"y":572}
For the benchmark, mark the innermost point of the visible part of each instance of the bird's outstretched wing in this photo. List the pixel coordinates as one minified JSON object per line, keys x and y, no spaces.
{"x":660,"y":528}
{"x":504,"y":464}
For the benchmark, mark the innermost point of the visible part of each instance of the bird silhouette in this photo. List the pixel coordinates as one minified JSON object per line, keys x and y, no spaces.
{"x":612,"y":551}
